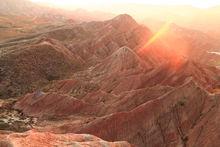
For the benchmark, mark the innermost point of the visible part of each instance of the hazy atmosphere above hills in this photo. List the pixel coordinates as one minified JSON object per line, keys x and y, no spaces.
{"x":82,"y":3}
{"x":186,"y":13}
{"x":109,"y":73}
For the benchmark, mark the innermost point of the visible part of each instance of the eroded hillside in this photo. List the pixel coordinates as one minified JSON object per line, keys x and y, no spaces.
{"x":100,"y":78}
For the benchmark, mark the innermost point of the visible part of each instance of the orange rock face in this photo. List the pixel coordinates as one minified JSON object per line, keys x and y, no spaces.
{"x":46,"y":139}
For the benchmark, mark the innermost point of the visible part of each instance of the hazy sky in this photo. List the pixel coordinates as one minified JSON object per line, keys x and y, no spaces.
{"x":68,"y":3}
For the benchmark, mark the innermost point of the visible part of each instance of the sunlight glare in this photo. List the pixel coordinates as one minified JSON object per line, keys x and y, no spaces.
{"x":161,"y":32}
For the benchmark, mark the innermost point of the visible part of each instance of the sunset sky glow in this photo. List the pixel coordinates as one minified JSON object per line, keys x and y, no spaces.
{"x":195,"y":3}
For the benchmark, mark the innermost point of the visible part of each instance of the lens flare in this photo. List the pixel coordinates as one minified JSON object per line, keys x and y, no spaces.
{"x":175,"y":55}
{"x":156,"y":36}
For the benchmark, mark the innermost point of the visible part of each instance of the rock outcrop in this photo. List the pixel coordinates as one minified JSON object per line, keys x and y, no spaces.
{"x":46,"y":139}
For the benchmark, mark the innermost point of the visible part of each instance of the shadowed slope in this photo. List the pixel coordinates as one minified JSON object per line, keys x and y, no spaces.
{"x":27,"y":67}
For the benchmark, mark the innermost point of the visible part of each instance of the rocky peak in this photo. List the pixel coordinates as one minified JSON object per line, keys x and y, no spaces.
{"x":124,"y":55}
{"x":124,"y":17}
{"x":123,"y":22}
{"x":123,"y":59}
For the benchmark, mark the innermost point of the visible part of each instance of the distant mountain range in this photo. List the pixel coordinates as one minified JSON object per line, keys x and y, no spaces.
{"x":23,"y":17}
{"x":28,"y":8}
{"x":186,"y":16}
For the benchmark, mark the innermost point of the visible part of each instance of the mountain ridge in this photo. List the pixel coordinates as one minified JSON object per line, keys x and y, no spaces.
{"x":92,"y":78}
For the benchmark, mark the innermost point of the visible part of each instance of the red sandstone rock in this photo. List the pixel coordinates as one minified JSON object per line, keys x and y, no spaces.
{"x":46,"y":139}
{"x":152,"y":97}
{"x":167,"y":120}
